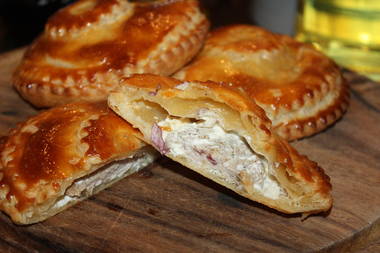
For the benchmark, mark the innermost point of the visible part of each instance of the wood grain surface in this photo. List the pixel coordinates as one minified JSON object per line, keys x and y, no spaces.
{"x":168,"y":208}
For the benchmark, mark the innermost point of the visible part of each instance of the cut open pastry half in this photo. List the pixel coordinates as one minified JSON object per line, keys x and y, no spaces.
{"x":301,"y":90}
{"x":220,"y":133}
{"x":64,"y":155}
{"x":89,"y":44}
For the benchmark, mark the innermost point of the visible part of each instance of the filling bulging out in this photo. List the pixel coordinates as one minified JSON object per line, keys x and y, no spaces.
{"x":204,"y":143}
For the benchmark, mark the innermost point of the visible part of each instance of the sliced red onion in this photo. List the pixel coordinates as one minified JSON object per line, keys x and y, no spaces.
{"x":211,"y":160}
{"x":208,"y":155}
{"x":157,"y":139}
{"x":154,"y":93}
{"x":199,"y":152}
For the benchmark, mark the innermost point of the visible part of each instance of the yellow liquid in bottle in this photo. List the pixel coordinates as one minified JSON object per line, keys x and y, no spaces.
{"x":346,"y":30}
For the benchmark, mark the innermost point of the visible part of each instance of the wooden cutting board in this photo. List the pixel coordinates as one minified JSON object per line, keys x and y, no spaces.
{"x":168,"y":208}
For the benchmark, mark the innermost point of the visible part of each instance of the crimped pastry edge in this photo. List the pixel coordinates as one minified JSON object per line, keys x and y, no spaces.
{"x":41,"y":210}
{"x":323,"y":115}
{"x":305,"y":127}
{"x":43,"y":90}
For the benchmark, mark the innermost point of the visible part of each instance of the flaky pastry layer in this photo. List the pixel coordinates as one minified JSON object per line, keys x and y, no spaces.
{"x":87,"y":46}
{"x":301,"y":90}
{"x":220,"y":133}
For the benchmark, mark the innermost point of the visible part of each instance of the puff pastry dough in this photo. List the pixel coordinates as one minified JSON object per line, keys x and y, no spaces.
{"x":64,"y":155}
{"x":301,"y":90}
{"x":223,"y":135}
{"x":88,"y":45}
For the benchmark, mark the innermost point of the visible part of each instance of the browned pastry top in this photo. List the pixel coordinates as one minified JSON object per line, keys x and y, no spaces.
{"x":89,"y":44}
{"x":296,"y":85}
{"x":118,"y":48}
{"x":81,"y":14}
{"x":58,"y":146}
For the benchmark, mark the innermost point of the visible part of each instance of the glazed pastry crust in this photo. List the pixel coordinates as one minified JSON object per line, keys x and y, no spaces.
{"x":88,"y":45}
{"x":301,"y":90}
{"x":44,"y":156}
{"x":147,"y":100}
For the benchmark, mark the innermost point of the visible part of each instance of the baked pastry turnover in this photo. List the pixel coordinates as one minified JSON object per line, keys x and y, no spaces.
{"x":223,"y":135}
{"x":88,"y":45}
{"x":301,"y":90}
{"x":64,"y":155}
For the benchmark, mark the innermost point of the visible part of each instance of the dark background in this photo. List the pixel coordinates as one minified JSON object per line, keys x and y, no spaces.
{"x":22,"y":20}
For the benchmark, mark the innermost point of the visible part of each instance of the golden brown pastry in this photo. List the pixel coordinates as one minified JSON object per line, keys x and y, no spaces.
{"x":64,"y":155}
{"x":222,"y":134}
{"x":301,"y":90}
{"x":88,"y":45}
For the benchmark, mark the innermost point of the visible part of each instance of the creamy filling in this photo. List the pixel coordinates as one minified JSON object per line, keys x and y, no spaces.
{"x":86,"y":186}
{"x":226,"y":154}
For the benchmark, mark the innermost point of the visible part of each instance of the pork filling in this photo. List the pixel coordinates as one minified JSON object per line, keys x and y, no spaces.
{"x":225,"y":154}
{"x":88,"y":185}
